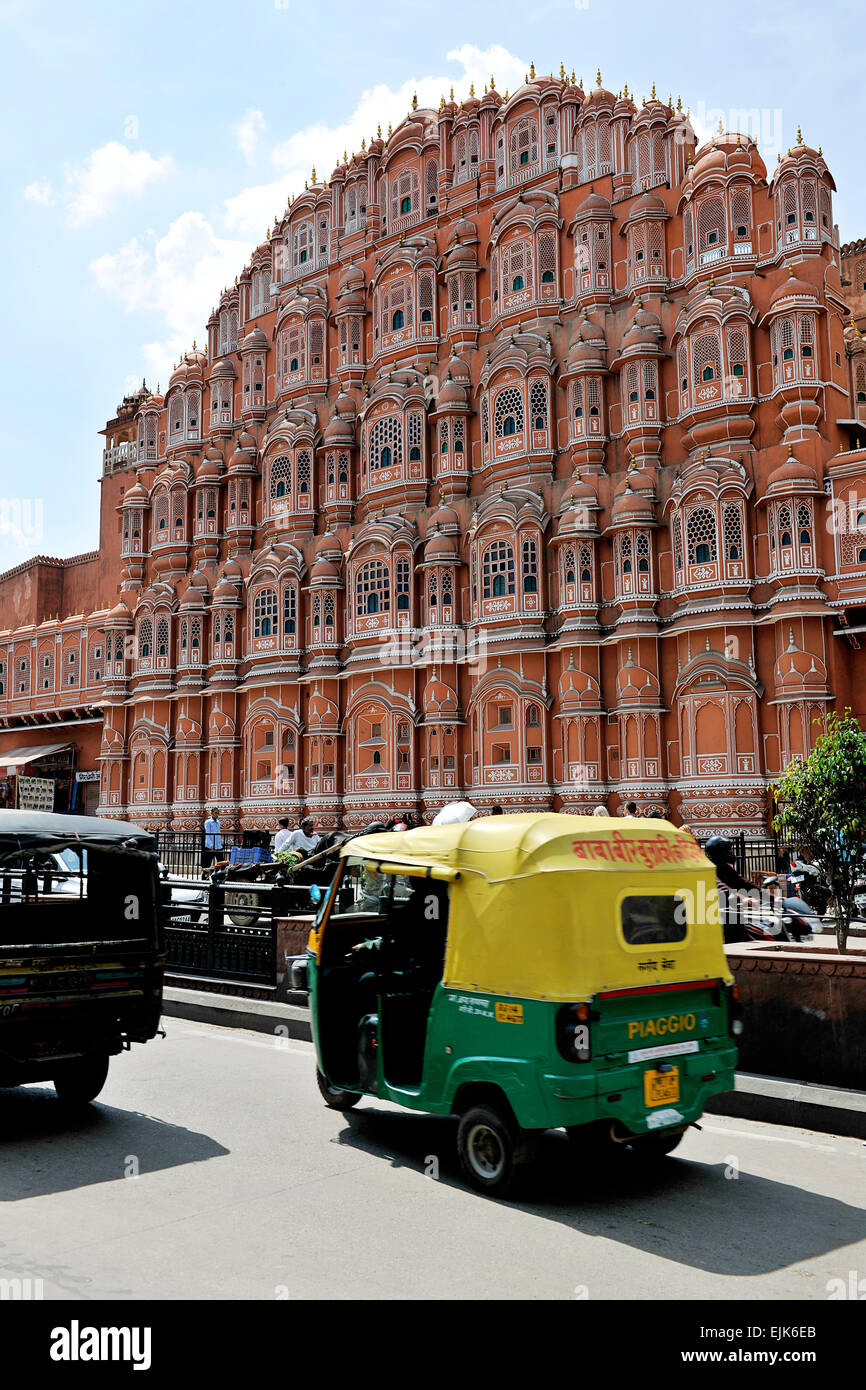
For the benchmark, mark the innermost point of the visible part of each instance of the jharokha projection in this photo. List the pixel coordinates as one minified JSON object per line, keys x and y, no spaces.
{"x":520,"y":464}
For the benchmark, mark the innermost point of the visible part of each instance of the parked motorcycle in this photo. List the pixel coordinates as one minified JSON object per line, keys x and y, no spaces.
{"x":750,"y":916}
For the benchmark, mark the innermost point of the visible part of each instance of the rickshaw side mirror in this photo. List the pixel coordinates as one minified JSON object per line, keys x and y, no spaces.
{"x":315,"y":894}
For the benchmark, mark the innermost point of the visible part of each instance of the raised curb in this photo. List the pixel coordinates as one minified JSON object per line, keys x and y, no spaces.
{"x":772,"y":1099}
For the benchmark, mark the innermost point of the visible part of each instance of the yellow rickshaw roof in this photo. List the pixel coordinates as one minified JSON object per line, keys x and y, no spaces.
{"x":509,"y":846}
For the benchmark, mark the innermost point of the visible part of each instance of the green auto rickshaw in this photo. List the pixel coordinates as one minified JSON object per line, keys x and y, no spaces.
{"x":526,"y":972}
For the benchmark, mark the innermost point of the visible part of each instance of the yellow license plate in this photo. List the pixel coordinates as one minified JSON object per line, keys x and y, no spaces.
{"x":659,"y":1087}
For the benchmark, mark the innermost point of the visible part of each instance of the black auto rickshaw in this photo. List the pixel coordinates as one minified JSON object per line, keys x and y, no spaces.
{"x":81,"y":948}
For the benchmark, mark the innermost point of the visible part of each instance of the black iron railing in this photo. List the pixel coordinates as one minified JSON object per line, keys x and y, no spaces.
{"x":185,"y":853}
{"x":222,"y":929}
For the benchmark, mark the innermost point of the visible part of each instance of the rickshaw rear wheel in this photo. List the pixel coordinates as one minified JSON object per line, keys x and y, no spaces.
{"x":655,"y":1146}
{"x":334,"y":1097}
{"x":80,"y":1079}
{"x":493,"y":1151}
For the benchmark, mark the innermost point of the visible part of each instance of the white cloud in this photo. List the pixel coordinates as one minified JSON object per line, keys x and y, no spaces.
{"x":40,"y":192}
{"x":179,"y":277}
{"x":247,"y":133}
{"x":108,"y":176}
{"x":323,"y":146}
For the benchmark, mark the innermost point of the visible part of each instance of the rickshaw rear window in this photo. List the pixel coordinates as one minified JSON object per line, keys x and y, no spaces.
{"x":653,"y":919}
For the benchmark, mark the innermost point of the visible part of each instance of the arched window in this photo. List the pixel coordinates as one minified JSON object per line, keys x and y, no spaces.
{"x":530,"y":567}
{"x":145,"y":638}
{"x":401,"y":585}
{"x":373,"y":588}
{"x":517,"y":282}
{"x":508,"y":412}
{"x":397,"y":320}
{"x":264,"y":613}
{"x":701,"y":540}
{"x":497,"y":570}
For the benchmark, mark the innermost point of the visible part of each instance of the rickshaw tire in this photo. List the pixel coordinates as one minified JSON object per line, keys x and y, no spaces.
{"x":333,"y":1097}
{"x":81,"y":1079}
{"x":517,"y":1150}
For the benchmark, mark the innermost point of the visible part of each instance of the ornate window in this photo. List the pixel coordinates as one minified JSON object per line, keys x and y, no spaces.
{"x":265,"y":614}
{"x":701,"y":537}
{"x":497,"y":570}
{"x":529,"y":555}
{"x":523,"y":148}
{"x":508,"y":413}
{"x":373,"y":589}
{"x":793,"y":342}
{"x":405,"y":199}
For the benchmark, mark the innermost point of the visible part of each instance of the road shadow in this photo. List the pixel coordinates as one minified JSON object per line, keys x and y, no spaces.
{"x":681,"y":1209}
{"x":46,"y":1148}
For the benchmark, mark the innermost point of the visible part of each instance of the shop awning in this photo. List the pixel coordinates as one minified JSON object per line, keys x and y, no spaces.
{"x":18,"y":757}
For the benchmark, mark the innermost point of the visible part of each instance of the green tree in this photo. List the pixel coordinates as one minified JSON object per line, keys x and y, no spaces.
{"x":821,"y":803}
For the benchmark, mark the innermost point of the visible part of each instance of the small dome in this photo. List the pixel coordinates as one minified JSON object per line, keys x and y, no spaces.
{"x":444,"y":519}
{"x":792,"y":288}
{"x":325,"y":572}
{"x":452,"y":393}
{"x":631,"y":507}
{"x":136,"y":496}
{"x":633,"y":682}
{"x":793,"y":475}
{"x":255,"y":339}
{"x":440,"y":547}
{"x":796,"y":668}
{"x":222,"y":368}
{"x":594,"y":205}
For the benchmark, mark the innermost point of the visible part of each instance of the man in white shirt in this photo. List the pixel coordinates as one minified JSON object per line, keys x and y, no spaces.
{"x":304,"y":838}
{"x":282,"y":836}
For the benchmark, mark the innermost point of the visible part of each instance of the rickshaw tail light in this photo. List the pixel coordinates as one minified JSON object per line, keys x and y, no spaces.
{"x":583,"y":1012}
{"x":735,"y":991}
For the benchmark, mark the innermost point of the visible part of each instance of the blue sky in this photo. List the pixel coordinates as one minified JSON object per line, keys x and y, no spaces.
{"x":144,"y":149}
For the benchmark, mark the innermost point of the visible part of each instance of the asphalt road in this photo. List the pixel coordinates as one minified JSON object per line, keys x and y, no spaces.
{"x":209,"y":1168}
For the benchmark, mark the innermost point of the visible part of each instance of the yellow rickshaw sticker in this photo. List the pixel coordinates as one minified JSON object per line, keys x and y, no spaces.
{"x":509,"y":1013}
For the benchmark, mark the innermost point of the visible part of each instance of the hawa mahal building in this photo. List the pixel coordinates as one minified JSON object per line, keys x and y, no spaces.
{"x":521,"y":464}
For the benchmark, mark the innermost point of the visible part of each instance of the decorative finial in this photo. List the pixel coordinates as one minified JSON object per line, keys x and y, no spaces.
{"x":562,"y":72}
{"x":363,"y":143}
{"x":532,"y":71}
{"x":653,"y":93}
{"x":345,"y":157}
{"x":451,"y":97}
{"x":389,"y":130}
{"x":679,"y":104}
{"x":314,"y":173}
{"x":472,"y":89}
{"x":624,"y":90}
{"x":492,"y":83}
{"x":720,"y":128}
{"x":598,"y":77}
{"x":194,"y":342}
{"x":305,"y":183}
{"x":379,"y":131}
{"x":506,"y":93}
{"x":442,"y":102}
{"x":267,"y":234}
{"x":799,"y":136}
{"x":414,"y":101}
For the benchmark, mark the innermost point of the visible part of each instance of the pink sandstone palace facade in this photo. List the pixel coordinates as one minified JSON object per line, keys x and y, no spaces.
{"x":520,"y":464}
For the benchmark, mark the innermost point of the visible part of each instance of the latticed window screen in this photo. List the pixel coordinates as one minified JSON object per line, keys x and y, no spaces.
{"x":431,"y":182}
{"x":265,"y":613}
{"x":432,"y":589}
{"x":401,"y":583}
{"x":656,"y":246}
{"x":650,"y":380}
{"x":688,"y":235}
{"x":785,"y":526}
{"x":385,"y":434}
{"x":677,"y":530}
{"x":701,"y":537}
{"x":443,"y":436}
{"x":305,"y":472}
{"x":568,"y":565}
{"x":711,"y":223}
{"x":302,"y":244}
{"x":809,"y":200}
{"x":425,"y":297}
{"x":447,"y":589}
{"x":459,"y":433}
{"x":538,"y":404}
{"x":737,"y":351}
{"x":585,"y":564}
{"x":160,"y":516}
{"x":343,"y":467}
{"x":96,"y":663}
{"x":162,"y":636}
{"x":175,"y":417}
{"x":404,"y":185}
{"x":577,"y":400}
{"x":530,"y":567}
{"x":804,"y":523}
{"x":281,"y":477}
{"x":523,"y":141}
{"x":292,"y":350}
{"x":631,"y":380}
{"x":516,"y":261}
{"x":807,"y":331}
{"x":192,"y":401}
{"x":373,"y":588}
{"x":317,"y":342}
{"x":547,"y":257}
{"x":642,"y":550}
{"x":485,"y":422}
{"x":683,"y":366}
{"x":145,"y":638}
{"x":625,"y":553}
{"x":706,"y":355}
{"x":509,"y":406}
{"x":732,"y":531}
{"x":497,"y":570}
{"x":415,"y":431}
{"x":741,"y":213}
{"x":290,"y":610}
{"x":195,"y":639}
{"x":396,"y":297}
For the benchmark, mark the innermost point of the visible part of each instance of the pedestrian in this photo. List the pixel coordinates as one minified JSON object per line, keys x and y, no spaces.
{"x":496,"y":811}
{"x":283,"y":834}
{"x":600,"y":811}
{"x":304,"y":838}
{"x":213,"y":840}
{"x":631,"y":810}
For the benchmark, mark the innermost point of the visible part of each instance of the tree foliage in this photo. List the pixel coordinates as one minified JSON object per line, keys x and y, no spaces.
{"x":821,"y":804}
